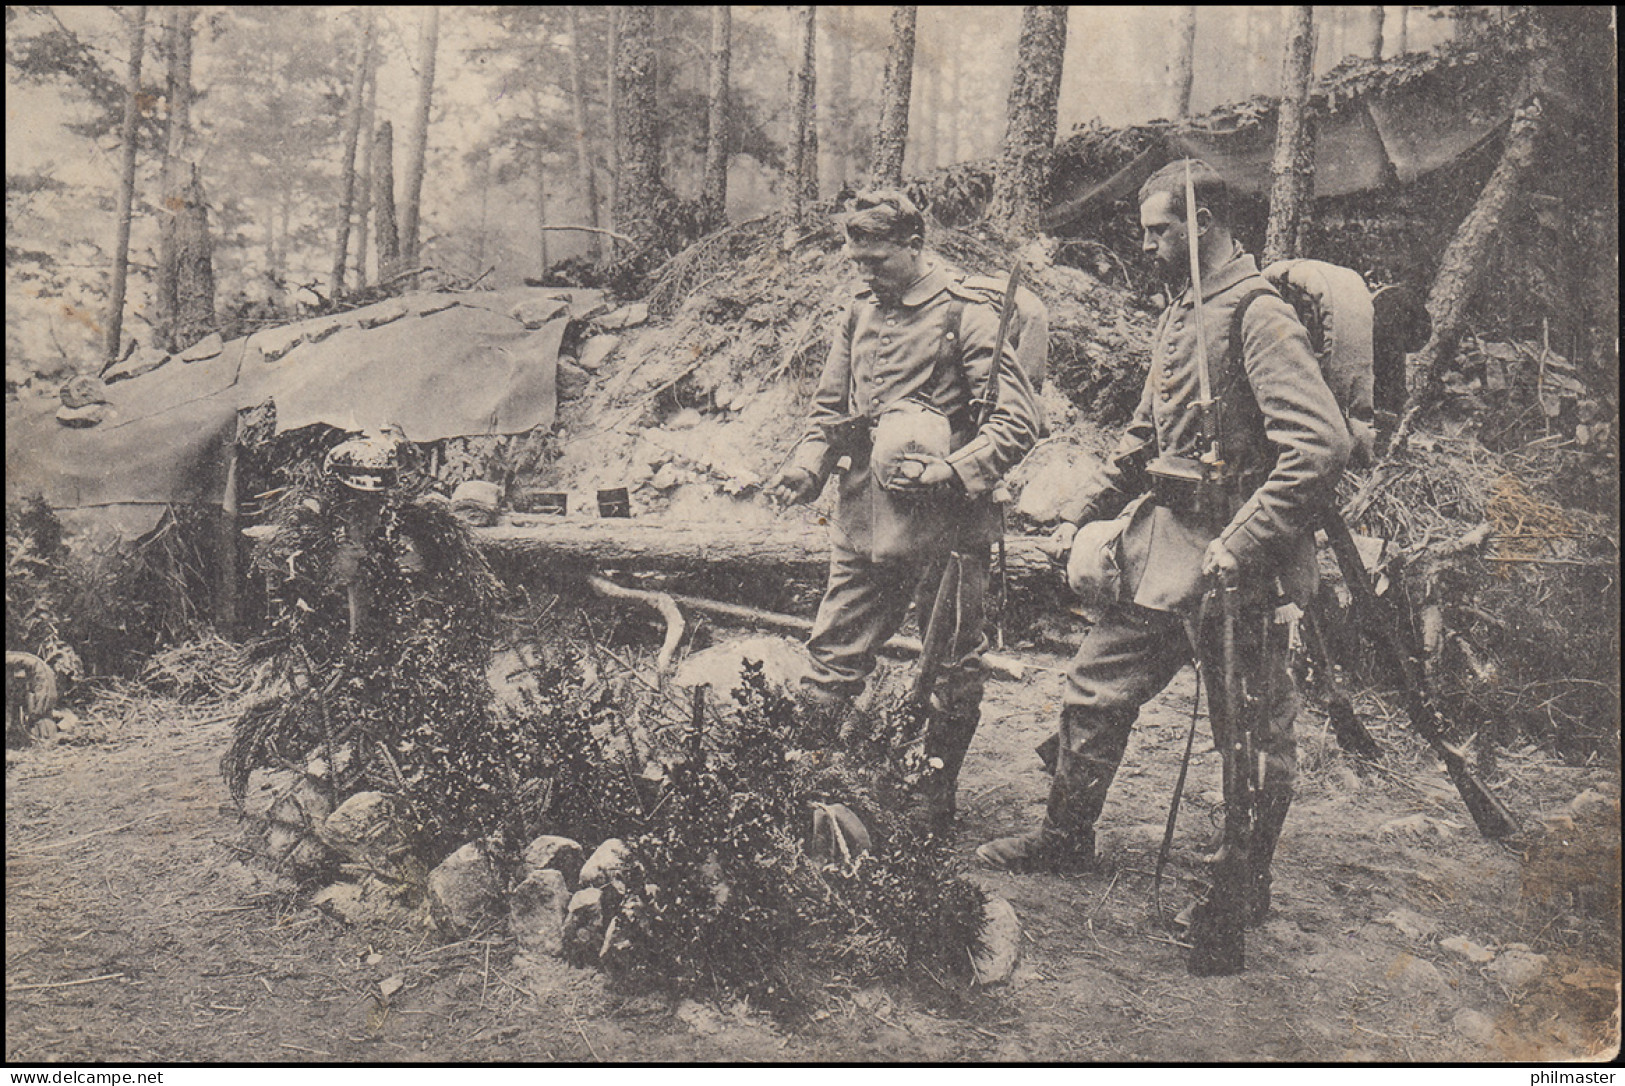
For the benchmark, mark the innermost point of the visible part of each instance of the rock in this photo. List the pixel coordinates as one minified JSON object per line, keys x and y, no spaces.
{"x":596,"y":351}
{"x":549,"y":853}
{"x":1416,"y":976}
{"x":209,"y":346}
{"x":628,"y":316}
{"x":570,"y":380}
{"x":82,"y":391}
{"x":535,"y":312}
{"x":366,"y":828}
{"x":381,"y":314}
{"x":276,"y":342}
{"x":721,"y":667}
{"x":1409,"y":923}
{"x":370,"y":901}
{"x":1048,"y":477}
{"x":1001,"y":943}
{"x":81,"y":418}
{"x":145,"y":360}
{"x":666,"y":478}
{"x":1517,"y":967}
{"x":605,"y":865}
{"x":537,"y":911}
{"x":477,"y":502}
{"x":67,"y":721}
{"x":700,"y":1017}
{"x":1592,"y":804}
{"x":1474,"y":1026}
{"x":584,"y":926}
{"x":686,"y":419}
{"x":464,"y":891}
{"x":1468,"y":949}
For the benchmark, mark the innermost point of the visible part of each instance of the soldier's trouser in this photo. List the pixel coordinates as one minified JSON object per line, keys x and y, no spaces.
{"x":1126,"y":659}
{"x":865,"y":604}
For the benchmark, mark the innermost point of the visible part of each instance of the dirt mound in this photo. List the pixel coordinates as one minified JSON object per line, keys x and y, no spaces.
{"x":694,"y":410}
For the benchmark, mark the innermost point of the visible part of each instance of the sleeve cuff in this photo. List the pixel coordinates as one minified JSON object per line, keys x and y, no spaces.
{"x":971,"y":464}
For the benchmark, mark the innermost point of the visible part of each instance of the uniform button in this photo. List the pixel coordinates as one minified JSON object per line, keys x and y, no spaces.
{"x":885,"y":341}
{"x":891,"y":320}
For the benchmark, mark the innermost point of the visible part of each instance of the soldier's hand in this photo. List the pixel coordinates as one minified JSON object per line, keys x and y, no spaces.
{"x":1219,"y":565}
{"x":1058,"y":547}
{"x":918,"y":473}
{"x":792,"y":486}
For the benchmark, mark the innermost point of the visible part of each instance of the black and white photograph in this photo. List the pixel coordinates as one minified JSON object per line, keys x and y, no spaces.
{"x":812,"y":535}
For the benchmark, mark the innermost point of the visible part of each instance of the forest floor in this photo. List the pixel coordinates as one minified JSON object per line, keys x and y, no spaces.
{"x":136,"y":934}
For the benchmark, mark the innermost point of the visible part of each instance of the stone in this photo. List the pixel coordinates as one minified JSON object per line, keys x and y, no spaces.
{"x":584,"y":926}
{"x":596,"y":351}
{"x":1468,"y":949}
{"x":1592,"y":804}
{"x":686,"y":419}
{"x":209,"y":346}
{"x":367,"y":829}
{"x":1474,"y":1025}
{"x":628,"y":316}
{"x":381,"y":314}
{"x":995,"y":961}
{"x":369,"y":901}
{"x":537,"y":910}
{"x":570,"y":380}
{"x":82,"y":418}
{"x":721,"y":667}
{"x":605,"y":866}
{"x":1048,"y":476}
{"x":550,"y":853}
{"x":666,"y":478}
{"x":535,"y":312}
{"x":1416,"y":976}
{"x":464,"y":890}
{"x":1517,"y":967}
{"x":144,"y":360}
{"x":82,"y":391}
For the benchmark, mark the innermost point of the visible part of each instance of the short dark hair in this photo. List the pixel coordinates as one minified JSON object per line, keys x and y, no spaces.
{"x":1211,"y":190}
{"x":883,"y":215}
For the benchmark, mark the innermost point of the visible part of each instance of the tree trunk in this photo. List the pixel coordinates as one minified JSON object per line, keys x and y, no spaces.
{"x":837,"y":135}
{"x":892,"y":135}
{"x":194,"y":266}
{"x":541,"y":209}
{"x":383,"y":203}
{"x":1292,"y":170}
{"x":578,"y":103}
{"x":1023,"y":170}
{"x":126,"y":189}
{"x":612,"y":96}
{"x":1370,"y":41}
{"x":803,"y":179}
{"x":714,"y":191}
{"x":418,"y":148}
{"x":1403,"y":43}
{"x":1185,"y":62}
{"x":638,"y":189}
{"x":369,"y":143}
{"x":1461,"y":269}
{"x":178,"y":45}
{"x":354,"y":109}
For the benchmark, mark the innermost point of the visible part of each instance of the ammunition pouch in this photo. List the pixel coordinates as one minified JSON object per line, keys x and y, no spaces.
{"x":1192,"y":488}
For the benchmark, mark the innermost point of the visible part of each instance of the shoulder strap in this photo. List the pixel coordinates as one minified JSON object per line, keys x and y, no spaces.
{"x":1237,"y":316}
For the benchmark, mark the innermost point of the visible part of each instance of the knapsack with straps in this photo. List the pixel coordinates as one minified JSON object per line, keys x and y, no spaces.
{"x":1360,"y":339}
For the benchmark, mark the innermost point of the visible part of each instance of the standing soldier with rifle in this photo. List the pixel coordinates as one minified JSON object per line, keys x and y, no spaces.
{"x":1232,"y":451}
{"x":925,"y":402}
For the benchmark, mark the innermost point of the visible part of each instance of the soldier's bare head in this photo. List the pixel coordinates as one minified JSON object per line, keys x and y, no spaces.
{"x":885,"y":238}
{"x":1163,"y":221}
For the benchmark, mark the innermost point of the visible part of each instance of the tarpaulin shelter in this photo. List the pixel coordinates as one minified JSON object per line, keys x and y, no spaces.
{"x":437,"y":365}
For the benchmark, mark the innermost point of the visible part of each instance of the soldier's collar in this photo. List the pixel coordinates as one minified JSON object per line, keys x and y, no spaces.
{"x":933,"y":282}
{"x":1241,"y":265}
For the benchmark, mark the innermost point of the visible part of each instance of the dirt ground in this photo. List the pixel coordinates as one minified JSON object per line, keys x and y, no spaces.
{"x":135,"y":933}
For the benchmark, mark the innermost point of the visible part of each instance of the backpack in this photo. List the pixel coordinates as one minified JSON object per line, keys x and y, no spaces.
{"x":1359,"y":338}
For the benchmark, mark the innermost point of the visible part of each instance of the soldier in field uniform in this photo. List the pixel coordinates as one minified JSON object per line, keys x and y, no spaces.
{"x":1151,"y":548}
{"x":929,"y":421}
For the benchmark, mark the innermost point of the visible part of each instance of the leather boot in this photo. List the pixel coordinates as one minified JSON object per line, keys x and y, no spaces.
{"x":1268,"y":820}
{"x":947,"y":742}
{"x":1063,"y":845}
{"x":820,"y":715}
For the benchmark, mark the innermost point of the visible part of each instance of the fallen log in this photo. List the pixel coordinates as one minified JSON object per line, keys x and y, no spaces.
{"x":799,"y":551}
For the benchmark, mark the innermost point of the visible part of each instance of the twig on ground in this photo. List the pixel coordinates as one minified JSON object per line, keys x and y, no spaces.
{"x":63,"y":983}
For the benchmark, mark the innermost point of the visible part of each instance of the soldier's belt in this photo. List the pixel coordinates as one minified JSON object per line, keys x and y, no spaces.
{"x":1188,"y":486}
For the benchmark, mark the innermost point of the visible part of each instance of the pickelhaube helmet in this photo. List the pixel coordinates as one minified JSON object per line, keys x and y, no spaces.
{"x":370,"y":462}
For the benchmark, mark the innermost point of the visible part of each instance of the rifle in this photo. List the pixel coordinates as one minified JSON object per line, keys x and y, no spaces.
{"x":1380,"y":626}
{"x":938,"y":633}
{"x":1219,"y":922}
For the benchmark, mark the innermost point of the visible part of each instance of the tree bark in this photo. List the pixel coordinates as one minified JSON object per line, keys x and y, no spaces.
{"x":892,"y":136}
{"x":418,"y":147}
{"x":177,"y":139}
{"x":1185,"y":61}
{"x":585,"y":172}
{"x":354,"y":109}
{"x":803,"y":179}
{"x":126,"y":189}
{"x":1461,"y":269}
{"x":638,"y":188}
{"x":1369,"y":40}
{"x":363,"y":215}
{"x":383,"y":202}
{"x":1292,"y":170}
{"x":714,"y":189}
{"x":1023,"y":170}
{"x":541,"y":208}
{"x":837,"y":137}
{"x":194,"y":266}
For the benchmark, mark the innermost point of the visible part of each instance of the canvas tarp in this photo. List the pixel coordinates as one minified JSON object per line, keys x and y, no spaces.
{"x":437,"y":365}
